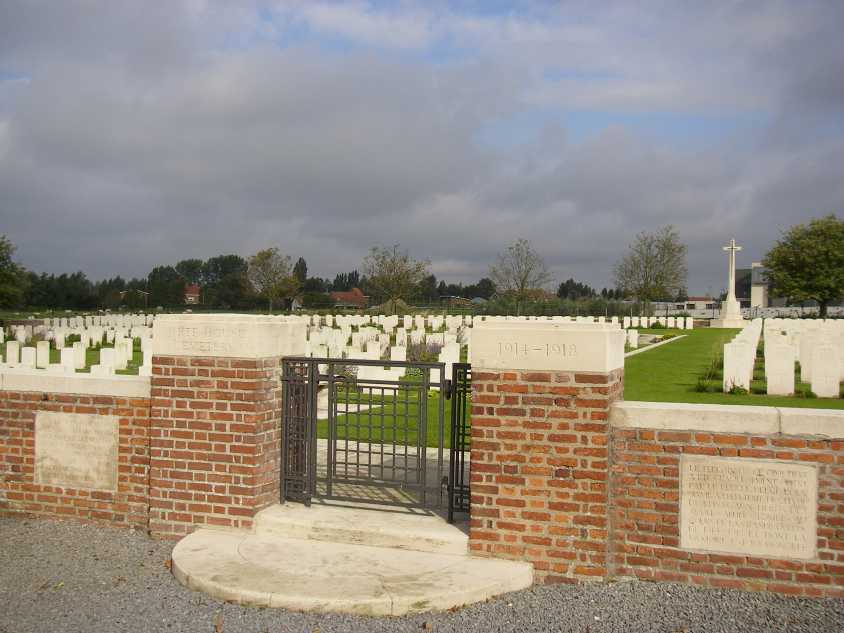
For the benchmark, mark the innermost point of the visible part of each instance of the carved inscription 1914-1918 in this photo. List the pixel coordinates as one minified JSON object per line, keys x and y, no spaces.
{"x":752,"y":507}
{"x":76,"y":450}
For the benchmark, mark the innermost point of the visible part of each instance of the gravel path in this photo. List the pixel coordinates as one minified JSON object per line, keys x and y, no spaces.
{"x":67,"y":577}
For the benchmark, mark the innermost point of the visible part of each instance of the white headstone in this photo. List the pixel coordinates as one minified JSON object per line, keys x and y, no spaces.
{"x":12,"y":353}
{"x":42,"y":355}
{"x":28,"y":357}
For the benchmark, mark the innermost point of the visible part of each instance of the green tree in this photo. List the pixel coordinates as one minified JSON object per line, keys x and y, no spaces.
{"x":315,"y":284}
{"x":519,"y":272}
{"x":13,"y":279}
{"x":271,"y":276}
{"x":346,"y":281}
{"x":654,"y":267}
{"x":428,"y":289}
{"x":300,"y":270}
{"x":808,"y":262}
{"x":483,"y":289}
{"x":166,"y":287}
{"x":393,"y":275}
{"x":224,"y":282}
{"x":190,"y":270}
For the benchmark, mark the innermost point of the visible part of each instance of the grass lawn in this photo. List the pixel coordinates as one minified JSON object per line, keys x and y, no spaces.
{"x":670,"y":373}
{"x":390,"y":418}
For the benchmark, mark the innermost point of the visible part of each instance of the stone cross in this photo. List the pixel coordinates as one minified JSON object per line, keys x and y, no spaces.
{"x":731,"y":287}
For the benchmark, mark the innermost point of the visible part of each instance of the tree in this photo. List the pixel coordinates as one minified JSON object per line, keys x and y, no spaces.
{"x":166,"y":287}
{"x":483,"y":289}
{"x":190,"y":270}
{"x":315,"y":284}
{"x":519,"y":271}
{"x":346,"y":281}
{"x":271,"y":275}
{"x":571,"y":289}
{"x":224,"y":282}
{"x":300,"y":270}
{"x":808,"y":262}
{"x":428,"y":289}
{"x":13,"y":279}
{"x":654,"y":267}
{"x":393,"y":274}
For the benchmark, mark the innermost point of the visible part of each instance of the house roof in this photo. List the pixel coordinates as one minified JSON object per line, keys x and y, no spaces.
{"x":353,"y":296}
{"x":192,"y":289}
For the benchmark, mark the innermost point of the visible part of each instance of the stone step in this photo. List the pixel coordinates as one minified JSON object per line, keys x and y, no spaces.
{"x":269,"y":570}
{"x":364,"y":525}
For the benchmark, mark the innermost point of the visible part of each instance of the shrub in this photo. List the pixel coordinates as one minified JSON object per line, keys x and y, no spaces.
{"x":705,"y":386}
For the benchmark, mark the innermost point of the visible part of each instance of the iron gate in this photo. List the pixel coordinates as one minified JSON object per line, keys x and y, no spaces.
{"x":458,"y":467}
{"x":373,"y":430}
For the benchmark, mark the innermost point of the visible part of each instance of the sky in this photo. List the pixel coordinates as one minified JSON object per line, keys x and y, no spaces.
{"x":136,"y":134}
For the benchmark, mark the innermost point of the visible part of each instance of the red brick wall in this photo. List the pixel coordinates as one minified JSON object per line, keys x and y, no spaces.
{"x":214,"y":442}
{"x":20,"y":494}
{"x":646,"y":524}
{"x":539,"y":466}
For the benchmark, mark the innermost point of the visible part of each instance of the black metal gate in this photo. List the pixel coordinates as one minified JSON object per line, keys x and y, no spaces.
{"x":373,"y":430}
{"x":459,"y":497}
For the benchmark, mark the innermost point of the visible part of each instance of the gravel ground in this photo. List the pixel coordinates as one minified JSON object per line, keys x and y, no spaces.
{"x":67,"y":577}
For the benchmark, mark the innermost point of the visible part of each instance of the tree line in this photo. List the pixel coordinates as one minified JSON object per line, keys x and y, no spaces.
{"x":806,"y":264}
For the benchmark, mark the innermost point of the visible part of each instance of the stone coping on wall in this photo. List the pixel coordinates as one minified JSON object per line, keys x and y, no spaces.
{"x":227,"y":335}
{"x":679,"y":416}
{"x":548,"y":346}
{"x":39,"y":381}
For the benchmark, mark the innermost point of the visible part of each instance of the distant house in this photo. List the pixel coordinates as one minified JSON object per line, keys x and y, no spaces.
{"x":353,"y":298}
{"x":192,"y":294}
{"x":697,"y":303}
{"x":455,"y":301}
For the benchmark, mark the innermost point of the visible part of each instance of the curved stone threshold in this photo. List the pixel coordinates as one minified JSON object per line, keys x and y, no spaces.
{"x":266,"y":570}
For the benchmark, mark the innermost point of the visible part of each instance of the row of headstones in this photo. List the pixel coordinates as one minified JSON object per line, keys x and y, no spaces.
{"x":791,"y":312}
{"x":390,"y":322}
{"x":105,"y":320}
{"x":816,"y":344}
{"x":680,"y":323}
{"x":93,"y":334}
{"x":341,"y":338}
{"x":448,"y":355}
{"x":740,"y":357}
{"x":74,"y":358}
{"x":453,"y":322}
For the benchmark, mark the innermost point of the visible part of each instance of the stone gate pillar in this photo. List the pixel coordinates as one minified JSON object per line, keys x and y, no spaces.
{"x":215,"y":440}
{"x":541,"y":393}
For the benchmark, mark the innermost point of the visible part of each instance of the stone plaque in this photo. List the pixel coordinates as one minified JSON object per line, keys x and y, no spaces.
{"x":548,"y":346}
{"x":227,"y":336}
{"x":752,"y":507}
{"x":75,"y":450}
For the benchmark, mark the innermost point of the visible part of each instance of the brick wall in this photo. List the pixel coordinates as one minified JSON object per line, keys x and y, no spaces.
{"x":645,"y":512}
{"x":20,"y":494}
{"x":539,"y":466}
{"x":214,"y":442}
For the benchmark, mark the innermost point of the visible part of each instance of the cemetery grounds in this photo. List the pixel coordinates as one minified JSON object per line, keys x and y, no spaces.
{"x":689,"y":370}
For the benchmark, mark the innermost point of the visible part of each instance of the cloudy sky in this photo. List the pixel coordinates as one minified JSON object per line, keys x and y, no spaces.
{"x":141,"y":133}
